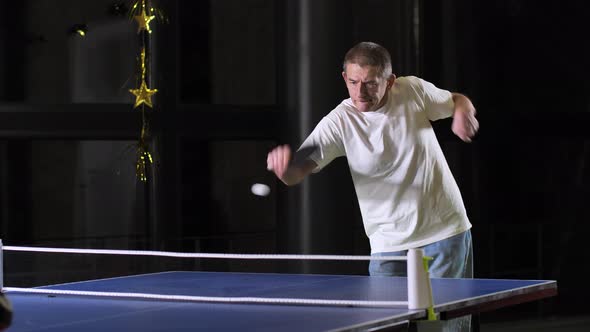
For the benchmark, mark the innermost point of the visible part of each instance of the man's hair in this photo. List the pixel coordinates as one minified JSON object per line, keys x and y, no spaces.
{"x":369,"y":54}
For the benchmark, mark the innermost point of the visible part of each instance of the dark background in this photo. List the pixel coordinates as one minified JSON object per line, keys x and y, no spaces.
{"x":237,"y":77}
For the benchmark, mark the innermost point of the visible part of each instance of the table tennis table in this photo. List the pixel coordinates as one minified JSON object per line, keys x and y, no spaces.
{"x":452,"y":298}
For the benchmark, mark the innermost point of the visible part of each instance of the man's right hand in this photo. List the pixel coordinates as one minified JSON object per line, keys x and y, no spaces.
{"x":278,"y":160}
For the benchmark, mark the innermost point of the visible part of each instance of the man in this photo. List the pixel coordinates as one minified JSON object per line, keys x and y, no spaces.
{"x":407,"y":194}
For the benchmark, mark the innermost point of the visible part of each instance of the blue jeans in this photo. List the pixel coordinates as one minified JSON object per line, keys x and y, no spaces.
{"x":452,"y":258}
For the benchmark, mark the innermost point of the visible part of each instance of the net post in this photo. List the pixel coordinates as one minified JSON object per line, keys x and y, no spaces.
{"x":419,"y":288}
{"x":5,"y":305}
{"x":1,"y":268}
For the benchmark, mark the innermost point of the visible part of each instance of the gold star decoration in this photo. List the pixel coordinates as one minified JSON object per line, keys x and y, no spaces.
{"x":143,"y":95}
{"x":143,"y":21}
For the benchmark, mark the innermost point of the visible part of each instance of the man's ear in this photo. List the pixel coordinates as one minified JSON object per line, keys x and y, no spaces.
{"x":391,"y":80}
{"x":344,"y":76}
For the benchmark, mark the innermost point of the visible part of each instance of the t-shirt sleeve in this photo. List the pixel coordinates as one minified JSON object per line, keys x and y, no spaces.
{"x":327,"y":141}
{"x":438,"y":103}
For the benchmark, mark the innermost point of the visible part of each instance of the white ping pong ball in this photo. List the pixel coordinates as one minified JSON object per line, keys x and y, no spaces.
{"x":260,"y":189}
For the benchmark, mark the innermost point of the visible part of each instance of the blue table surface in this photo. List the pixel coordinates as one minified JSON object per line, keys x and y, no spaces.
{"x":35,"y":312}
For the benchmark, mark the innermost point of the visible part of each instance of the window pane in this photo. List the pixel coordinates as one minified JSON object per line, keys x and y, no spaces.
{"x":47,"y":63}
{"x":82,"y":190}
{"x":227,"y":52}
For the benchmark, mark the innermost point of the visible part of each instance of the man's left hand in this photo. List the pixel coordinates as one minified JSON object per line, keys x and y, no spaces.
{"x":465,"y":125}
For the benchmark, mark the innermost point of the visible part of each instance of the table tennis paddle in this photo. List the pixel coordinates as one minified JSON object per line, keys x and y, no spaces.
{"x":301,"y":154}
{"x":304,"y":153}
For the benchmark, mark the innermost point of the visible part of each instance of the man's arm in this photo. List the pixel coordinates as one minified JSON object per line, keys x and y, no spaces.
{"x":465,"y":125}
{"x":289,"y":170}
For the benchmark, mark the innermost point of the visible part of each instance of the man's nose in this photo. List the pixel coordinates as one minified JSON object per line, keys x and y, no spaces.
{"x":363,"y":89}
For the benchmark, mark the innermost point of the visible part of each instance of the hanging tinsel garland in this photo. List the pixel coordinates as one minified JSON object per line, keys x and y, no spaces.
{"x":143,"y":14}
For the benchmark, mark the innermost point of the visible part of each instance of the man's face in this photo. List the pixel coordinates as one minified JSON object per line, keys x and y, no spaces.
{"x":366,"y":86}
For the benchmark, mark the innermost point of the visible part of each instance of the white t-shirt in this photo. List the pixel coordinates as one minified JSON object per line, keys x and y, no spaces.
{"x":407,"y":195}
